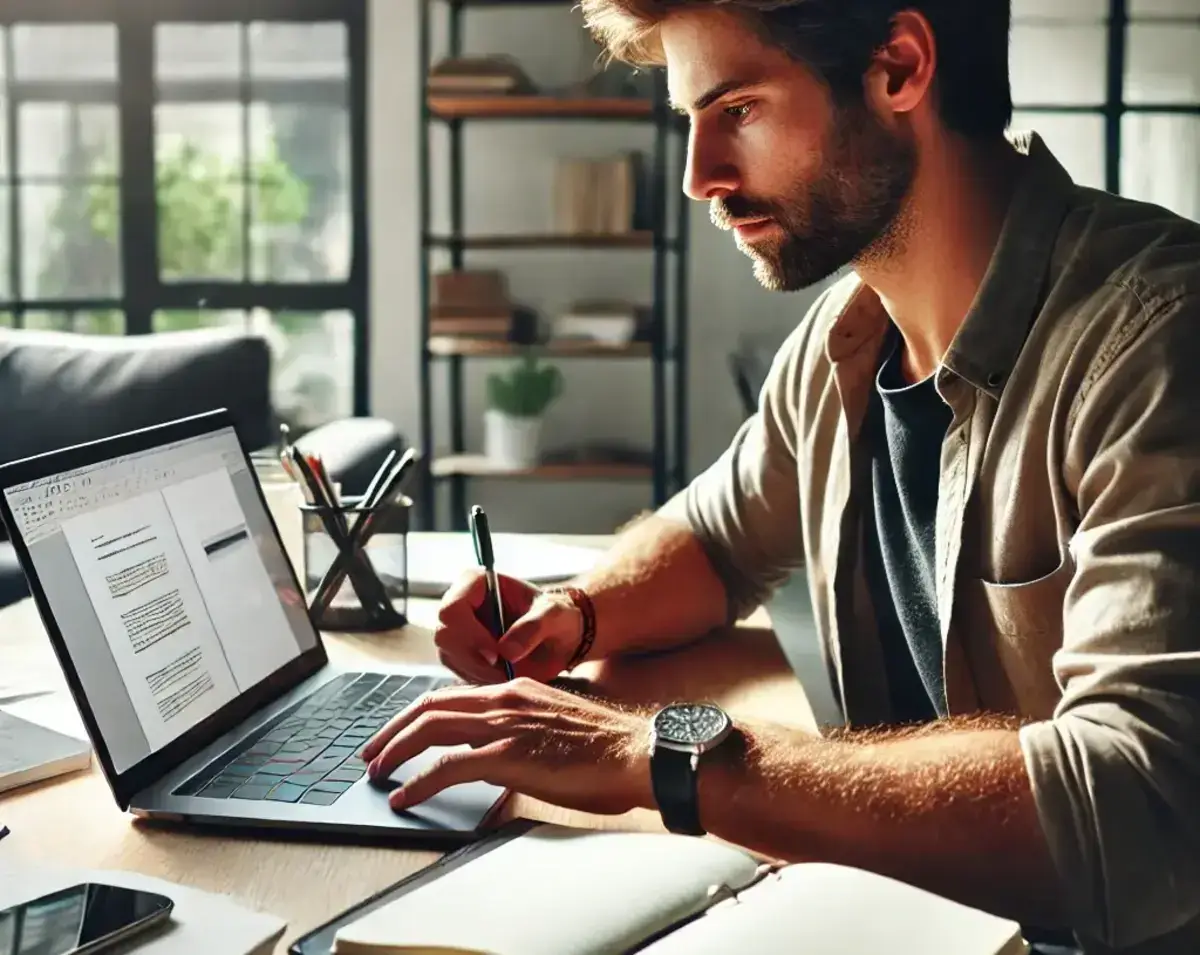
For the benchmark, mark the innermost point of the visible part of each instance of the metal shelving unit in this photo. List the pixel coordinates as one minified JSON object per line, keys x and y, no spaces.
{"x":450,"y":465}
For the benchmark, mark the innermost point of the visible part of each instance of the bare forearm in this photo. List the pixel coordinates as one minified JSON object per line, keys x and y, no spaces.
{"x":654,"y":589}
{"x":950,"y":810}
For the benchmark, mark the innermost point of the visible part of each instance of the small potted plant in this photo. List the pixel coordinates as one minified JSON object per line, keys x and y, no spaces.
{"x":517,"y":403}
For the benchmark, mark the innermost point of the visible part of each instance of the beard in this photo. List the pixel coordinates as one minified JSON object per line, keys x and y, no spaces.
{"x":850,"y":212}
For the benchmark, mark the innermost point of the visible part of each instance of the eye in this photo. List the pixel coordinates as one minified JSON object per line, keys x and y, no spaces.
{"x":740,"y":111}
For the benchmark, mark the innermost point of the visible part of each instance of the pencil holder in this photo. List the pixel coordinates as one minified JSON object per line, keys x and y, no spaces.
{"x":356,"y":565}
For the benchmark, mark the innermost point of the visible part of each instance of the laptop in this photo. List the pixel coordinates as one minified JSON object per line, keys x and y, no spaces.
{"x":185,"y":639}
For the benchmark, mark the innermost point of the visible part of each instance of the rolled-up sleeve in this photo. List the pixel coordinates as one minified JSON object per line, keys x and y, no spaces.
{"x":745,"y":508}
{"x":1116,"y":771}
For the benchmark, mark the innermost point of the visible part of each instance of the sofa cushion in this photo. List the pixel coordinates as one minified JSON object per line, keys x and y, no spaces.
{"x":59,"y":389}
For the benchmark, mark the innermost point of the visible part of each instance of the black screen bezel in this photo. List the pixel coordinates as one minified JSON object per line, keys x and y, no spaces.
{"x":126,"y":785}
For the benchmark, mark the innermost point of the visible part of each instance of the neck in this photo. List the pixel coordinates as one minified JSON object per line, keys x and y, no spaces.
{"x":954,"y":215}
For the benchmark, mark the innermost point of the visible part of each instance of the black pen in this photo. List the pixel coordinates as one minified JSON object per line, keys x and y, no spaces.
{"x":482,"y":538}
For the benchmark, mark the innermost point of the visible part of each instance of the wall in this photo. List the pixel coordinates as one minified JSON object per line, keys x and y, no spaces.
{"x":509,"y":169}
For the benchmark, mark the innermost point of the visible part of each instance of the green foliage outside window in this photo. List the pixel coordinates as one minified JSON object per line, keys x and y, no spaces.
{"x":201,"y":227}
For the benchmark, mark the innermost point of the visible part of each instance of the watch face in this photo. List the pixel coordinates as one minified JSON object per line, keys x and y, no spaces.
{"x":690,"y":724}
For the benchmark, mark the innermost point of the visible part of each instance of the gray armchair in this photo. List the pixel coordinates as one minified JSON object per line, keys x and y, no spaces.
{"x":58,"y":389}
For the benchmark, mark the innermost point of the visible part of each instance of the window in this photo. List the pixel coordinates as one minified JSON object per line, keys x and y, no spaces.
{"x":1113,"y":86}
{"x":183,"y":164}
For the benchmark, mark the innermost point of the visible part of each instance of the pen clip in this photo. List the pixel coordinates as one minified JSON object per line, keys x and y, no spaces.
{"x":481,"y":538}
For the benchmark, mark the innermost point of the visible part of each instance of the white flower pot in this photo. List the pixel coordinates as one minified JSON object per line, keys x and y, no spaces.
{"x":511,"y":442}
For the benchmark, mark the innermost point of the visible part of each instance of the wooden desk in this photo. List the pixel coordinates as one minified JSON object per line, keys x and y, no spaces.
{"x":74,"y":821}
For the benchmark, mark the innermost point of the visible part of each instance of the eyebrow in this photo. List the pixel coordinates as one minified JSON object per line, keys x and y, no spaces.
{"x":707,"y":99}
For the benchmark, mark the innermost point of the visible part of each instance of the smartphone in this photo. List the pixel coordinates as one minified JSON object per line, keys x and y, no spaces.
{"x":88,"y":917}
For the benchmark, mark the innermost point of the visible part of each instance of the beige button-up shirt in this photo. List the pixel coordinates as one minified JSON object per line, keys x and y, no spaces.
{"x":1068,"y":530}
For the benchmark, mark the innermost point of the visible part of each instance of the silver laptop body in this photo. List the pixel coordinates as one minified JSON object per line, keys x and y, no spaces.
{"x":184,"y":636}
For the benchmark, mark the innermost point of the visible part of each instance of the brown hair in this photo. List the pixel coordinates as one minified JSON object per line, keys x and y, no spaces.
{"x":837,"y":39}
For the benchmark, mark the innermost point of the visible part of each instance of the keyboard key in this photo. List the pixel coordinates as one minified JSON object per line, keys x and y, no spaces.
{"x":219,"y":790}
{"x":320,"y":798}
{"x":322,"y":766}
{"x":344,"y":775}
{"x":253,"y":791}
{"x":305,"y":779}
{"x":332,"y":786}
{"x":286,"y":792}
{"x":280,"y":769}
{"x":240,"y":769}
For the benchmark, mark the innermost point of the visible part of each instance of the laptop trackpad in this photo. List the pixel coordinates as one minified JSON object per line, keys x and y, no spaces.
{"x":453,"y":805}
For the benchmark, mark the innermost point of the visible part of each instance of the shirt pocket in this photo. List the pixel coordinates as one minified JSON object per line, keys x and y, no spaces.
{"x":1031,"y":607}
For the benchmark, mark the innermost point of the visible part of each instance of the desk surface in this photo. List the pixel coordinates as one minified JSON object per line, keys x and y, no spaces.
{"x":74,"y":821}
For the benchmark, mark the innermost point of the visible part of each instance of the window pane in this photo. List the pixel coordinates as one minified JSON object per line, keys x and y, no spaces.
{"x":70,"y":241}
{"x":200,"y":194}
{"x":180,"y":320}
{"x":300,"y":199}
{"x":313,"y":366}
{"x":4,"y":167}
{"x":1058,"y":63}
{"x":1162,"y":65}
{"x":100,"y":322}
{"x":1159,"y":158}
{"x":48,"y":321}
{"x":6,"y":320}
{"x":66,"y":139}
{"x":5,"y":244}
{"x":1063,"y":9}
{"x":1164,"y":8}
{"x":62,"y":53}
{"x":298,"y":51}
{"x":1076,"y":139}
{"x":300,"y":151}
{"x":195,"y":51}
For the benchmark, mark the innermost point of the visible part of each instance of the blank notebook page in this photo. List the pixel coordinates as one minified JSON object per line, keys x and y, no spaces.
{"x":818,"y":909}
{"x":553,"y":891}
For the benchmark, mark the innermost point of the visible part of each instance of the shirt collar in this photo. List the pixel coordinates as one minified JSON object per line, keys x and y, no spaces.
{"x":993,"y":332}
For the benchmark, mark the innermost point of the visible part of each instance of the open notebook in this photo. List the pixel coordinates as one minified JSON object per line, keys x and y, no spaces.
{"x":548,"y":890}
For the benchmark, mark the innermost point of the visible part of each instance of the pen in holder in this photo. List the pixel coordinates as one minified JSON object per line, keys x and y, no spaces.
{"x":356,"y":567}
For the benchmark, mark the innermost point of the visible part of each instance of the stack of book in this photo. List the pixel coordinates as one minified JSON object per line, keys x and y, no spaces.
{"x":597,"y":196}
{"x":475,"y":304}
{"x":474,"y":75}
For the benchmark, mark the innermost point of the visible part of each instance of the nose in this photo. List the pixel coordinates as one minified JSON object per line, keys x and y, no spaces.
{"x":710,"y":171}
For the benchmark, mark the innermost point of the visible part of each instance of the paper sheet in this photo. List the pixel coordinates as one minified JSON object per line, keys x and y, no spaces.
{"x":436,"y":559}
{"x":202,"y":923}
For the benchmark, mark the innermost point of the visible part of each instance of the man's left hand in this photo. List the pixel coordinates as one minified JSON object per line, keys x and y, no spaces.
{"x":523,"y":735}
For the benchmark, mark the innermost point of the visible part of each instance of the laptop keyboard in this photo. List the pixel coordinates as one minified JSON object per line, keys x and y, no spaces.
{"x":309,"y":752}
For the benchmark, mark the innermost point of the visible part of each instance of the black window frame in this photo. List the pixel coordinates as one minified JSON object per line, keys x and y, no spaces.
{"x":143,"y":291}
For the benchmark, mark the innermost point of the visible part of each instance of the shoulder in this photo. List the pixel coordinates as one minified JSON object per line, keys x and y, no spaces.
{"x":1125,"y":274}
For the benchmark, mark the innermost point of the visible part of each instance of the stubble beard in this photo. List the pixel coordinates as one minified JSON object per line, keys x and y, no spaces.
{"x":852,"y":212}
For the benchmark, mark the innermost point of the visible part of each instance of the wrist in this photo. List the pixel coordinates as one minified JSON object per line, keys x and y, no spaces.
{"x":585,"y":616}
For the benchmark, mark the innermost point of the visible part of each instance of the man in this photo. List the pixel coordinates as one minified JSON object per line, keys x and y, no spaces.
{"x":982,"y":447}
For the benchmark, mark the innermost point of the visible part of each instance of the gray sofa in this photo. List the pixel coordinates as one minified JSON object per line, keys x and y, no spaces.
{"x":58,"y":389}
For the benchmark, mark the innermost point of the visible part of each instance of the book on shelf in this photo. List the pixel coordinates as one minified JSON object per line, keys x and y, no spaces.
{"x":550,"y":890}
{"x":597,"y":196}
{"x":467,"y":75}
{"x":604,"y":322}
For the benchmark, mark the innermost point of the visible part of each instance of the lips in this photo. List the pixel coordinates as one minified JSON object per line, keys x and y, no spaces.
{"x":752,"y":228}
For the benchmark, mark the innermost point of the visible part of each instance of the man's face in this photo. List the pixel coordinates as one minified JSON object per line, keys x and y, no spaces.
{"x":807,"y":186}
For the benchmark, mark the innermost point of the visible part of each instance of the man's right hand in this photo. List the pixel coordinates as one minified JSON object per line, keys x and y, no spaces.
{"x":544,"y":630}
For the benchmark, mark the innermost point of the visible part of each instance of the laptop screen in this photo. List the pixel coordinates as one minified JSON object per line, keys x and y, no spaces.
{"x":169,"y":586}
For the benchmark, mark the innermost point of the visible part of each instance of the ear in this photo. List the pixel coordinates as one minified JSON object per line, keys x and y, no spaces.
{"x":901,"y":73}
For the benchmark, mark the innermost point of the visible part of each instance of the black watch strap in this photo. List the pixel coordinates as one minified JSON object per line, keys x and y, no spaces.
{"x":673,"y":778}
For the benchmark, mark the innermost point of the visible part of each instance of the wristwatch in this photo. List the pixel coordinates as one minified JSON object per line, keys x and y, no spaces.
{"x":679,"y":735}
